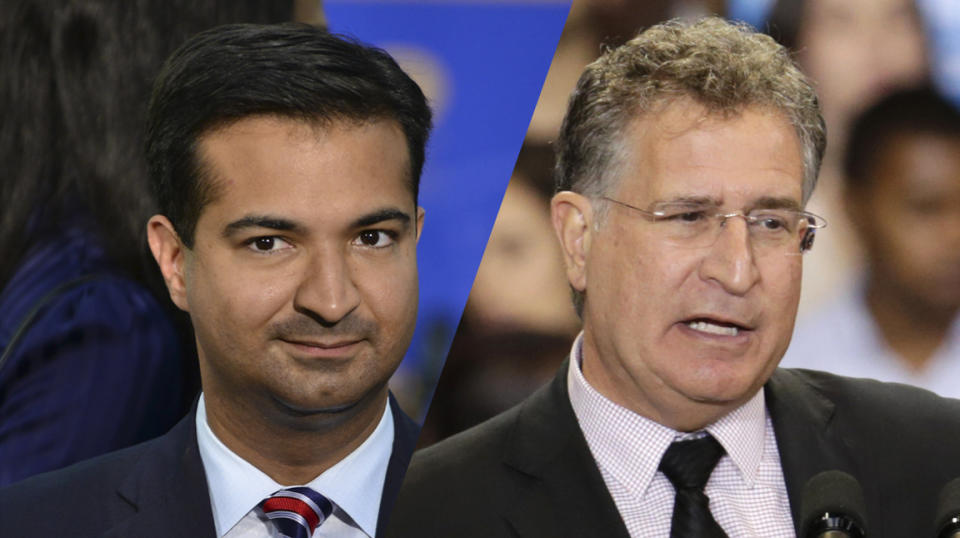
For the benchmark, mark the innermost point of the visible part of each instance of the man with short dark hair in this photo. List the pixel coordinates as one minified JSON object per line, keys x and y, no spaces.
{"x":286,"y":161}
{"x":684,"y":163}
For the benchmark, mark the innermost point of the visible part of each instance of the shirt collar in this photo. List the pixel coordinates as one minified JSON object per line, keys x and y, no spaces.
{"x":741,"y":432}
{"x":630,"y":446}
{"x":354,"y":484}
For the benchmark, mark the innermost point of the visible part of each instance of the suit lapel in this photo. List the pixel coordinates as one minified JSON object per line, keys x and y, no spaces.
{"x":405,"y":433}
{"x":807,"y":436}
{"x":167,"y":490}
{"x":554,"y":487}
{"x":557,"y":483}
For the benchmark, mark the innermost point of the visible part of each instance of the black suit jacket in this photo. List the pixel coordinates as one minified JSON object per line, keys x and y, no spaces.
{"x":157,"y":489}
{"x":529,"y":472}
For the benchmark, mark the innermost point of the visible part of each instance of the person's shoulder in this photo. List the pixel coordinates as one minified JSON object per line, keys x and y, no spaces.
{"x":80,"y":284}
{"x":445,"y":481}
{"x":100,"y":316}
{"x":858,"y":388}
{"x":483,"y":447}
{"x":110,"y":295}
{"x":873,"y":401}
{"x":100,"y":304}
{"x":890,"y":437}
{"x":481,"y":444}
{"x":76,"y":497}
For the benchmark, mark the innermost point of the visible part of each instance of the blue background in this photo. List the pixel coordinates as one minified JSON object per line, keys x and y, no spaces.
{"x":494,"y":58}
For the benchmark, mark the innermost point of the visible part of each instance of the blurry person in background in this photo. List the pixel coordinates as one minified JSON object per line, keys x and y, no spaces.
{"x":902,"y":194}
{"x":855,"y":52}
{"x":591,"y":26}
{"x":520,"y":283}
{"x":92,"y":358}
{"x":518,"y":321}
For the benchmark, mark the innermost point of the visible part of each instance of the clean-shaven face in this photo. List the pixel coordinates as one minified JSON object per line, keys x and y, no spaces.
{"x":668,"y":325}
{"x":302,"y":282}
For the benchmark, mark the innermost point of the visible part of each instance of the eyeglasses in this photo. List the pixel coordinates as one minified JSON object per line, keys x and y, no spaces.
{"x":695,"y":225}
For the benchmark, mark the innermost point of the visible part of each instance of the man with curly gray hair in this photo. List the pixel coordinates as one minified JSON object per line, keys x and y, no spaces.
{"x":684,"y":164}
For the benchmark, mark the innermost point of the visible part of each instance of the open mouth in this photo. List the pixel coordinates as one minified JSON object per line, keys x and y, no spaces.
{"x":712,"y":326}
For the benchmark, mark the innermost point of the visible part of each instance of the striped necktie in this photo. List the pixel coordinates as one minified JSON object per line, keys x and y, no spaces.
{"x":296,"y":512}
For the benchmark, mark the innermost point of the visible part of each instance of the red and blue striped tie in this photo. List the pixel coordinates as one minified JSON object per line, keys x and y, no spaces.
{"x":296,"y":512}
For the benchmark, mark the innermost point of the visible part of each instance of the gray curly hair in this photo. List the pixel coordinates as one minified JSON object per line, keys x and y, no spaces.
{"x":721,"y":65}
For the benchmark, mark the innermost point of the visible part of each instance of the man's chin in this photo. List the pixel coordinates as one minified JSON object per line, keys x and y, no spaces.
{"x":321,"y":408}
{"x":311,"y":407}
{"x":726,"y":392}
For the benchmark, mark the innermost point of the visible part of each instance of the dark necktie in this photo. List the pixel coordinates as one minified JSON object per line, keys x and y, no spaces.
{"x":296,"y":512}
{"x":688,"y":465}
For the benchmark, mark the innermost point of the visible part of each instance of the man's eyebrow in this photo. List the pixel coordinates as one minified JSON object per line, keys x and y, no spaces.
{"x":690,"y":200}
{"x":764,"y":202}
{"x":774,"y":202}
{"x":261,"y":221}
{"x":382,"y":215}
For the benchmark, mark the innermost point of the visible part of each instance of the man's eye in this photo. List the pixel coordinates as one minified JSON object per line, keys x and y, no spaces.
{"x":772,"y":223}
{"x":685,"y":216}
{"x":267,"y":244}
{"x":375,"y":238}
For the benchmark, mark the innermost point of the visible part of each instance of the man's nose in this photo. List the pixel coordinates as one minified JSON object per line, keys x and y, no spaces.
{"x":327,"y":291}
{"x":730,"y":260}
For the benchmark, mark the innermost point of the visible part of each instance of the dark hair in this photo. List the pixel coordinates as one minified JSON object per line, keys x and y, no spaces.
{"x":289,"y":70}
{"x":76,"y":78}
{"x":785,"y":20}
{"x":913,"y":111}
{"x":534,"y":167}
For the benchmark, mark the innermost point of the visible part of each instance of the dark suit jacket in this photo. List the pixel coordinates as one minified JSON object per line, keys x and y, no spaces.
{"x":157,"y":489}
{"x":529,"y":472}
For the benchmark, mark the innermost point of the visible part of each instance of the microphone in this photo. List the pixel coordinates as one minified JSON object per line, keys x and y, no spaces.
{"x":948,"y":510}
{"x":832,"y":506}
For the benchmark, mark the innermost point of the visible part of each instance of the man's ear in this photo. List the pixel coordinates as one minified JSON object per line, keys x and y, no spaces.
{"x":420,"y":214}
{"x":169,"y":252}
{"x":572,"y":217}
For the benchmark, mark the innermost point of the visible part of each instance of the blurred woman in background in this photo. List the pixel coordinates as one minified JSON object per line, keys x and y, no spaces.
{"x":94,"y":356}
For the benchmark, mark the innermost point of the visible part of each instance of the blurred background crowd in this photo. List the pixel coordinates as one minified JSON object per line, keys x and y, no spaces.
{"x":95,"y":357}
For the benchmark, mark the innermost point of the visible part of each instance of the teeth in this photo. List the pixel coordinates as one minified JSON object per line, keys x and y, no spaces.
{"x":707,"y":327}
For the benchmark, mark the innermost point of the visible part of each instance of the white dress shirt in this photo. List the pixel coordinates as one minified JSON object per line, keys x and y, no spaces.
{"x":842,"y":338}
{"x":354,"y":485}
{"x":748,"y":495}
